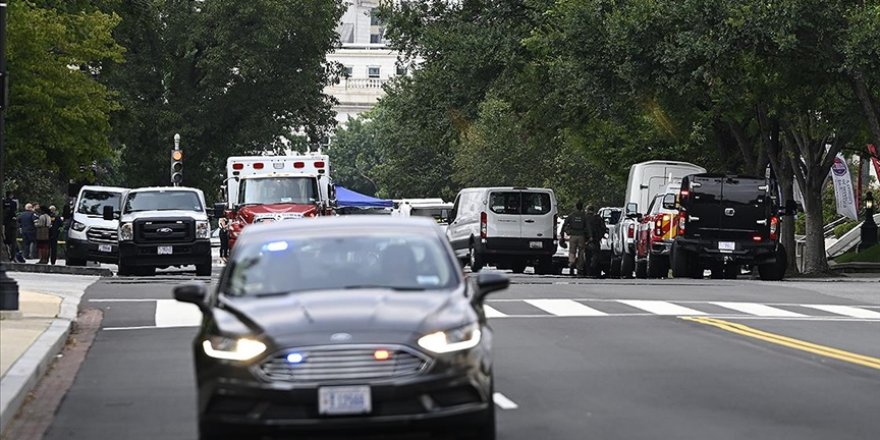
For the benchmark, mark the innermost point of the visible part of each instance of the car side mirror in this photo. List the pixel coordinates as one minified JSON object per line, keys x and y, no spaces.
{"x":632,"y":210}
{"x":669,"y":202}
{"x":219,"y":210}
{"x":488,"y":282}
{"x":108,"y":213}
{"x":193,"y":293}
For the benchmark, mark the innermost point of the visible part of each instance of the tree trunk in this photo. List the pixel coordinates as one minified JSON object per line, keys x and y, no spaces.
{"x":770,"y":132}
{"x":815,"y":260}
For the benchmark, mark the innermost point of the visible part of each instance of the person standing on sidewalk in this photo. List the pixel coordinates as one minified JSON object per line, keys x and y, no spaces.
{"x":224,"y":238}
{"x":44,"y":225}
{"x":10,"y":227}
{"x":575,"y":226}
{"x":54,"y":233}
{"x":27,"y":224}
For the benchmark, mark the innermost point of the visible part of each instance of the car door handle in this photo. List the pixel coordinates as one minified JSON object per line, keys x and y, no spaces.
{"x":693,"y":218}
{"x":529,"y":221}
{"x":761,"y":222}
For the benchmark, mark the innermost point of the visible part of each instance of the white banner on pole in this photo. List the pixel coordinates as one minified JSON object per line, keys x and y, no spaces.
{"x":843,"y":188}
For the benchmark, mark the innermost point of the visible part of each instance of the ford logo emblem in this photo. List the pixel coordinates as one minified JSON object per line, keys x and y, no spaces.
{"x":164,"y":230}
{"x":340,"y":337}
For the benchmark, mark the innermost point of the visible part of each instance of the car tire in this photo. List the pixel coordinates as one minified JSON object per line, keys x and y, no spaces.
{"x":731,"y":271}
{"x":518,"y":266}
{"x":614,"y":270}
{"x":124,"y":270}
{"x":682,"y":262}
{"x":658,"y":266}
{"x":642,"y":269}
{"x":545,"y":267}
{"x":75,"y":262}
{"x":204,"y":270}
{"x":627,"y":265}
{"x":775,"y":271}
{"x":476,"y":260}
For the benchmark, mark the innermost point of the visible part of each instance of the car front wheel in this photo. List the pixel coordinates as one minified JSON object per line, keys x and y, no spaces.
{"x":475,"y":260}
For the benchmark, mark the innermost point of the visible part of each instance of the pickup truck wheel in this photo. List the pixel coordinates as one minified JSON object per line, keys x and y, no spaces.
{"x":658,"y":266}
{"x":682,"y":262}
{"x":627,"y":265}
{"x":203,"y":270}
{"x":731,"y":271}
{"x":775,"y":271}
{"x":476,"y":260}
{"x":642,"y":269}
{"x":124,"y":270}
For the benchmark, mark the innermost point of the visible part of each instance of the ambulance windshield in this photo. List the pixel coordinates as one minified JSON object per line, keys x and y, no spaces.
{"x":273,"y":190}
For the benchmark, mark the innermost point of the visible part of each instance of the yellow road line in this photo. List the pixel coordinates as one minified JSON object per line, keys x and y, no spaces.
{"x":797,"y":344}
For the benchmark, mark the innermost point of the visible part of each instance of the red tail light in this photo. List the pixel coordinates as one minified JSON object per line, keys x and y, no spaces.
{"x":682,"y":222}
{"x":258,"y":166}
{"x":631,"y":231}
{"x":319,"y":164}
{"x":237,"y":166}
{"x":774,"y":228}
{"x":299,"y":164}
{"x":484,"y":225}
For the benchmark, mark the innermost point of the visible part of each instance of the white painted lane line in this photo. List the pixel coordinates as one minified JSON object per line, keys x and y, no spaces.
{"x":173,"y":313}
{"x":564,"y":307}
{"x":491,"y":312}
{"x":503,"y":402}
{"x":758,"y":309}
{"x":661,"y":307}
{"x":850,"y":311}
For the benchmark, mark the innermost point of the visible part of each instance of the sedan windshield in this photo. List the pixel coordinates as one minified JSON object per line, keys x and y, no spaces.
{"x":163,"y":201}
{"x":398,"y":262}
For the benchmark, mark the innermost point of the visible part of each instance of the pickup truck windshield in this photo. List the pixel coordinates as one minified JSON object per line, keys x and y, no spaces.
{"x":92,"y":203}
{"x":163,"y":201}
{"x":271,"y":190}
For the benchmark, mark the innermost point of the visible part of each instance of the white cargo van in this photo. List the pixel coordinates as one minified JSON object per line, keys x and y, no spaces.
{"x":90,"y":237}
{"x":508,"y":227}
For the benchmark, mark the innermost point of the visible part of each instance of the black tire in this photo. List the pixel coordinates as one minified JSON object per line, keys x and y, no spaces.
{"x":775,"y":271}
{"x":658,"y":266}
{"x":614,"y":270}
{"x":545,"y":267}
{"x":717,"y":272}
{"x":75,"y":262}
{"x":518,"y":266}
{"x":682,"y":262}
{"x":627,"y":265}
{"x":124,"y":270}
{"x":642,"y":269}
{"x":487,"y":430}
{"x":204,"y":270}
{"x":475,"y":259}
{"x":731,"y":271}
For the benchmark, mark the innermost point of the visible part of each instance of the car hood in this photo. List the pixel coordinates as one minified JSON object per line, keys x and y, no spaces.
{"x":164,"y":214}
{"x":366,"y":316}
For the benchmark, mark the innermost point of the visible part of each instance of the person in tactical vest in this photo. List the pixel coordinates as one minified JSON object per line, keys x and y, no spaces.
{"x":575,"y":227}
{"x":594,"y":231}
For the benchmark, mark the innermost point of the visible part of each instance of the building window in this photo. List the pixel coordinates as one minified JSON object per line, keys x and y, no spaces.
{"x":374,"y":17}
{"x":376,"y":38}
{"x":373,"y":72}
{"x":347,"y":71}
{"x":401,"y":70}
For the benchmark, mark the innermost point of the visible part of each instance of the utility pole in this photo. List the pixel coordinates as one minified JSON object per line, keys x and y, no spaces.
{"x":8,"y":286}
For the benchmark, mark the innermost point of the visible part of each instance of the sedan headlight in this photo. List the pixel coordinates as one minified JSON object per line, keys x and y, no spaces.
{"x":203,"y":230}
{"x":126,"y":232}
{"x":462,"y":338}
{"x":77,"y":226}
{"x":233,"y":349}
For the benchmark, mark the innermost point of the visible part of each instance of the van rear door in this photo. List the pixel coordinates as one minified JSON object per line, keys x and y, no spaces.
{"x":537,"y":215}
{"x":504,"y":214}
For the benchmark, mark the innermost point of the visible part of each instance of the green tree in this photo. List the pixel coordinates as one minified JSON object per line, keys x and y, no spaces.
{"x":354,"y":154}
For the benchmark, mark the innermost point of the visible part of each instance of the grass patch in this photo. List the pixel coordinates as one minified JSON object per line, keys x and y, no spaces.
{"x":871,"y":255}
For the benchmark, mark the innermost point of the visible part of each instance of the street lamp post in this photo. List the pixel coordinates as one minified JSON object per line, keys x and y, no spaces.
{"x":8,"y":286}
{"x":869,"y":227}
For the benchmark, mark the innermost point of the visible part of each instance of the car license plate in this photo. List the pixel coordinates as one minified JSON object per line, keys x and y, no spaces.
{"x":105,"y":248}
{"x":536,"y":245}
{"x":344,"y":400}
{"x":726,"y":246}
{"x":165,"y":250}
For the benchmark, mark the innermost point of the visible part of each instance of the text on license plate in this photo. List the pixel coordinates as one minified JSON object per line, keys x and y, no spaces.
{"x":536,"y":245}
{"x":105,"y":248}
{"x":165,"y":250}
{"x":726,"y":246}
{"x":344,"y":400}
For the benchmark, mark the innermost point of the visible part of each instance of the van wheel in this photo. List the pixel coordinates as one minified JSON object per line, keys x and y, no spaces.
{"x":518,"y":266}
{"x":545,"y":267}
{"x":614,"y":270}
{"x":642,"y":269}
{"x":627,"y":265}
{"x":476,"y":260}
{"x":682,"y":262}
{"x":658,"y":266}
{"x":775,"y":271}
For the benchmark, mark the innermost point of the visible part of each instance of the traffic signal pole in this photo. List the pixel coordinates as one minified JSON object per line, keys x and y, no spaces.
{"x":176,"y":162}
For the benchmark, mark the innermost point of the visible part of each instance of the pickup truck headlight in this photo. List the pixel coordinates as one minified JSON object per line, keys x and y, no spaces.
{"x":449,"y":341}
{"x":126,"y":232}
{"x":77,"y":226}
{"x":203,"y":229}
{"x":233,"y":349}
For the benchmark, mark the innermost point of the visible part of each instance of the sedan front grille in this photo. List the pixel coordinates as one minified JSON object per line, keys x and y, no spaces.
{"x":101,"y":235}
{"x":343,"y":363}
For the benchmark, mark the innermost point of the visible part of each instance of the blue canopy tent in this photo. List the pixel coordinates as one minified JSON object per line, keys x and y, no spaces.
{"x":346,"y":198}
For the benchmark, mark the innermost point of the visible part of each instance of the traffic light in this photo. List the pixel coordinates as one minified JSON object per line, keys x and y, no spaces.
{"x":176,"y":167}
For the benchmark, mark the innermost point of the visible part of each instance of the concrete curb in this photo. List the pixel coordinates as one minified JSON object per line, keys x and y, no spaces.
{"x":26,"y":372}
{"x":67,"y":270}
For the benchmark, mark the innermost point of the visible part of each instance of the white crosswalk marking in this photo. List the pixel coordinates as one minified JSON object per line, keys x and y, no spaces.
{"x":492,"y":312}
{"x":854,"y":312}
{"x":503,"y":402}
{"x":172,"y":313}
{"x":661,"y":307}
{"x":758,"y":309}
{"x":564,"y":307}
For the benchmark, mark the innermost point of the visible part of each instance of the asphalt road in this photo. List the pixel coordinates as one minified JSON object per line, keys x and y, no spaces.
{"x":575,"y":359}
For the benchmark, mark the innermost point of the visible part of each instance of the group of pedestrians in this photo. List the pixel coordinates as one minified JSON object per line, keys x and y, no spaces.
{"x":39,"y":228}
{"x":585,"y":230}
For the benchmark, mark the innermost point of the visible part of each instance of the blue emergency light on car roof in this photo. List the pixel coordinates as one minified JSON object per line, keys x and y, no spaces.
{"x":276,"y":246}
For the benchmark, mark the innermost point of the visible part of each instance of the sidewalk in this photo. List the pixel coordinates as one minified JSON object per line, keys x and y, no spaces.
{"x":30,"y":341}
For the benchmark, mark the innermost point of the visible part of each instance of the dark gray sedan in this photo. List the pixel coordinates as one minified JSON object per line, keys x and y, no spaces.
{"x":351,"y":325}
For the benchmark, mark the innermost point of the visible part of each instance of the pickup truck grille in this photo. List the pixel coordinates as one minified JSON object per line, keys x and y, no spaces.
{"x":164,"y":231}
{"x":102,"y":235}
